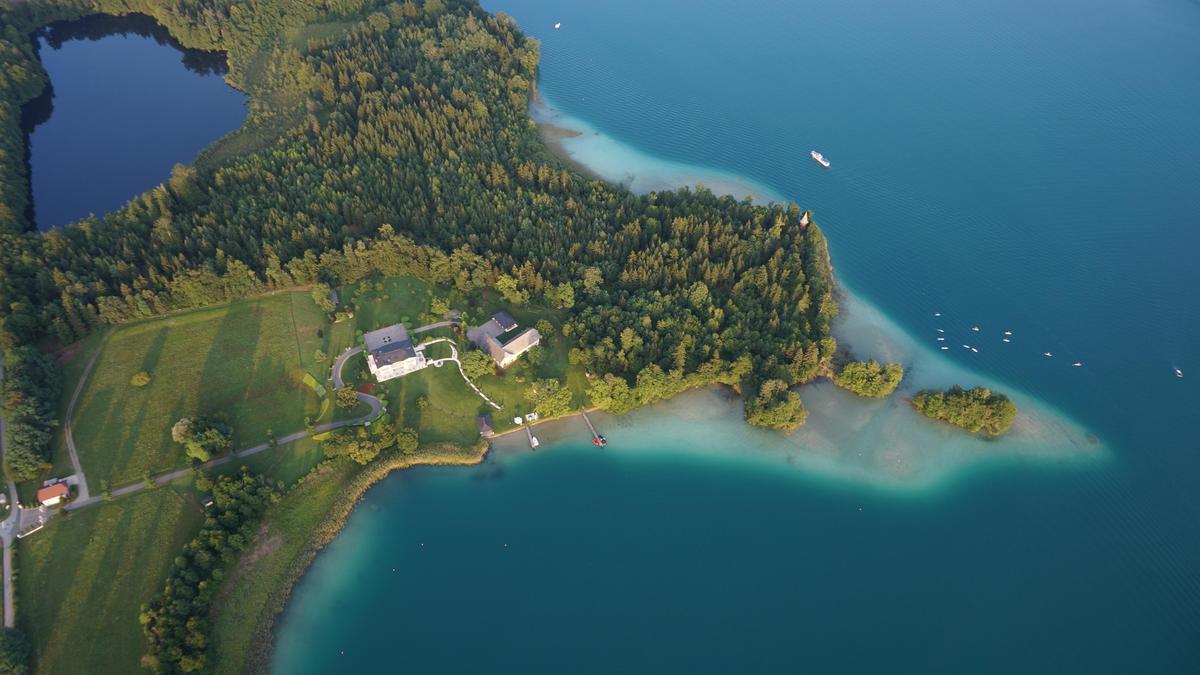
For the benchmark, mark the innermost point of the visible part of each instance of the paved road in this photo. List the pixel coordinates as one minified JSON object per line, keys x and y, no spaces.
{"x":68,"y":436}
{"x":9,"y":527}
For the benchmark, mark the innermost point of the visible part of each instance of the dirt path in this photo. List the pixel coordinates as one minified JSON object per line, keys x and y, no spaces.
{"x":69,"y":437}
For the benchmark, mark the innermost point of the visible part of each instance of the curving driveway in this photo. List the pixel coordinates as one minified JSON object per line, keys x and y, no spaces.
{"x":338,"y":382}
{"x":437,"y":363}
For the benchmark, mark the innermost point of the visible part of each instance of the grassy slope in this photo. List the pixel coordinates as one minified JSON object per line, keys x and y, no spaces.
{"x":243,"y":360}
{"x":67,"y":569}
{"x":295,"y":529}
{"x":135,"y":538}
{"x":82,"y":579}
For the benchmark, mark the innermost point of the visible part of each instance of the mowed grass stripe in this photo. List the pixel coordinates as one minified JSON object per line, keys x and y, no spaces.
{"x":242,"y":360}
{"x":83,"y":579}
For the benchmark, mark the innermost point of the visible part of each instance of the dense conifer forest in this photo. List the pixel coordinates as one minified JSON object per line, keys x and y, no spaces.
{"x":398,"y":142}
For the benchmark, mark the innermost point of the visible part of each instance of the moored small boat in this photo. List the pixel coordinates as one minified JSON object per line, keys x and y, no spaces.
{"x":820,"y":159}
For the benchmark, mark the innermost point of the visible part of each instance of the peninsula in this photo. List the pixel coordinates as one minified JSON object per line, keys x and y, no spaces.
{"x":388,"y":152}
{"x":259,"y":309}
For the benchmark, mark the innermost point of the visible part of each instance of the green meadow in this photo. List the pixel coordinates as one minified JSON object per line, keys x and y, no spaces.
{"x":97,"y":566}
{"x":245,"y":361}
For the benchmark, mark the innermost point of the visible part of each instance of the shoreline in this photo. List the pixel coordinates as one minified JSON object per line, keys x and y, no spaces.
{"x":559,"y":131}
{"x":876,"y":336}
{"x":555,"y":136}
{"x":262,"y":637}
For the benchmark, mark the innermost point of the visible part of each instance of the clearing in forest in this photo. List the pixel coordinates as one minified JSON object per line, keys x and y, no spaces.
{"x":245,"y":361}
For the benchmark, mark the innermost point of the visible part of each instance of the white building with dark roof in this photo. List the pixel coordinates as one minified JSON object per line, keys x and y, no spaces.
{"x":506,"y":353}
{"x":390,"y":353}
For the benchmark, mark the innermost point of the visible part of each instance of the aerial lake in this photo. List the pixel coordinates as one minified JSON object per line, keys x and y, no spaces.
{"x":125,"y":103}
{"x":1026,"y":166}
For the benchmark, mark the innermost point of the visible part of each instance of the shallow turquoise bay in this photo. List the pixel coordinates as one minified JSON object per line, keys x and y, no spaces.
{"x":1025,"y":166}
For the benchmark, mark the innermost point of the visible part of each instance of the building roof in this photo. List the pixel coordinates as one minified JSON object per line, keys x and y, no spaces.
{"x":57,"y":490}
{"x":484,"y":424}
{"x":504,"y":320}
{"x":390,"y":345}
{"x":521,"y":343}
{"x":394,"y":352}
{"x":494,"y":349}
{"x":505,"y":353}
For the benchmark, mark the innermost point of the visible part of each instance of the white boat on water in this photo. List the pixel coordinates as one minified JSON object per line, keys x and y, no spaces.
{"x":1047,"y":354}
{"x":820,"y":159}
{"x":1178,"y":373}
{"x":1078,"y":364}
{"x":558,"y":25}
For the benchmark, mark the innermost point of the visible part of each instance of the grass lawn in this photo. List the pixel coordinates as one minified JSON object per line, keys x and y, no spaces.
{"x":72,"y":361}
{"x":287,"y":463}
{"x":81,"y":580}
{"x":383,"y":302}
{"x":245,"y":360}
{"x":450,"y":416}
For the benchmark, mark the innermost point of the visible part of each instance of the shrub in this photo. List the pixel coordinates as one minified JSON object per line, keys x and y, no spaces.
{"x":776,"y":407}
{"x":870,"y":378}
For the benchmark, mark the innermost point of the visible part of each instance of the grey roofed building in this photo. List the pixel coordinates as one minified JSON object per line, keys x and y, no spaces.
{"x":504,"y":354}
{"x":484,"y":424}
{"x":504,"y":320}
{"x":390,"y":344}
{"x":394,"y":353}
{"x":390,"y":353}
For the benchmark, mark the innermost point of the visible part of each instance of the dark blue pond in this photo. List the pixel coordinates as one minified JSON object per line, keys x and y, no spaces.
{"x":125,"y":103}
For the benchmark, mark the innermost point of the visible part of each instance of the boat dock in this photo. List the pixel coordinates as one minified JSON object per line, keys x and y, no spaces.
{"x":597,"y":440}
{"x":533,"y":441}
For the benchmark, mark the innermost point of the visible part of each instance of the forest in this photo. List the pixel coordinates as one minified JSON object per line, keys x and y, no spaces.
{"x":403,"y":146}
{"x":869,"y":379}
{"x":176,"y":622}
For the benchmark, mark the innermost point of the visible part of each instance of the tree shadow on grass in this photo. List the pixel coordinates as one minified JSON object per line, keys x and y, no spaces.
{"x":100,"y":407}
{"x":133,"y":543}
{"x":227,"y":374}
{"x":154,"y":351}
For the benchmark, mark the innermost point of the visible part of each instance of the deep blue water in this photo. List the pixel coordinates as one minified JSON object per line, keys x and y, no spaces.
{"x":125,"y":104}
{"x":1028,"y":166}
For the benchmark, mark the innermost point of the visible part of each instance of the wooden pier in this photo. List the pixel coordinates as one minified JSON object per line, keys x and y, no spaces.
{"x":533,"y":441}
{"x":597,"y":440}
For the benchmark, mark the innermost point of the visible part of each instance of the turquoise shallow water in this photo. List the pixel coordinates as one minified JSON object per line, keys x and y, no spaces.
{"x":1024,"y":166}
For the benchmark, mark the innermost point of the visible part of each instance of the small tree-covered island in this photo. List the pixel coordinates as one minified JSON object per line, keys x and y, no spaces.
{"x":975,"y":410}
{"x":382,"y":265}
